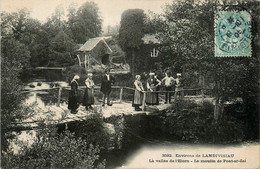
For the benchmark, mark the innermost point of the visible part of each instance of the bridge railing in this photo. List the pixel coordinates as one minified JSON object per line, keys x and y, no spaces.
{"x":119,"y":89}
{"x":198,"y":92}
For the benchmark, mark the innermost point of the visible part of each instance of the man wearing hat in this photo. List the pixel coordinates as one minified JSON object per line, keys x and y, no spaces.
{"x":106,"y":82}
{"x":73,"y":95}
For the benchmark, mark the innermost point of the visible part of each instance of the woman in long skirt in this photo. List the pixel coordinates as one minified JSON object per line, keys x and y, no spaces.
{"x":88,"y":98}
{"x":138,"y":95}
{"x":152,"y":83}
{"x":73,"y":95}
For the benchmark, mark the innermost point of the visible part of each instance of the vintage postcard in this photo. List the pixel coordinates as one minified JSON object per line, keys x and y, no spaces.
{"x":131,"y":84}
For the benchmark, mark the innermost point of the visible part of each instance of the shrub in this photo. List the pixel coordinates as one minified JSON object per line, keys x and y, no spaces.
{"x":188,"y":121}
{"x":59,"y":151}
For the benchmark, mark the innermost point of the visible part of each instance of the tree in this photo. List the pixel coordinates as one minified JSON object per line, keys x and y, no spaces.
{"x":54,"y":45}
{"x":62,"y":48}
{"x":14,"y":57}
{"x":130,"y":34}
{"x":84,"y":23}
{"x":186,"y":32}
{"x":20,"y":26}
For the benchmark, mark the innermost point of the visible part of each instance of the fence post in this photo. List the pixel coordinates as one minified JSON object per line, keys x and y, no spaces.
{"x":59,"y":96}
{"x":202,"y":93}
{"x":144,"y":98}
{"x":169,"y":95}
{"x":35,"y":97}
{"x":121,"y":94}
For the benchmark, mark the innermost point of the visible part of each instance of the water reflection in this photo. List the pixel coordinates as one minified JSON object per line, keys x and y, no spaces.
{"x":33,"y":98}
{"x":45,"y":93}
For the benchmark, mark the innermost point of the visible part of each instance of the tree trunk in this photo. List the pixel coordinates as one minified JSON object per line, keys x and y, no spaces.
{"x":133,"y":61}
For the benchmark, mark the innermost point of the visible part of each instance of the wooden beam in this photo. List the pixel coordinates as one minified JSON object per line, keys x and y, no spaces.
{"x":85,"y":62}
{"x":79,"y":59}
{"x":121,"y":94}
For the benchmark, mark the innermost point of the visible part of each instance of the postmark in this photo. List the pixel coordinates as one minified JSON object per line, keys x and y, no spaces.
{"x":232,"y":34}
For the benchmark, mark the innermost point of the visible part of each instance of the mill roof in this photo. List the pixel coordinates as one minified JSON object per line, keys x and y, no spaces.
{"x":93,"y":42}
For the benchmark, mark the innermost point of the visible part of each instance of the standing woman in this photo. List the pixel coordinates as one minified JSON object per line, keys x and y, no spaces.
{"x":88,"y":98}
{"x":138,"y":93}
{"x":152,"y":83}
{"x":73,"y":95}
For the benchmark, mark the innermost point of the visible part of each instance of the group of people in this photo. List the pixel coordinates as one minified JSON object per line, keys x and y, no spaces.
{"x":152,"y":86}
{"x":88,"y":98}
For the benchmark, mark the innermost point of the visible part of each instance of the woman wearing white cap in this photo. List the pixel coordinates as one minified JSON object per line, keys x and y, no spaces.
{"x":152,"y":83}
{"x":73,"y":95}
{"x":179,"y":88}
{"x":88,"y":98}
{"x":138,"y":93}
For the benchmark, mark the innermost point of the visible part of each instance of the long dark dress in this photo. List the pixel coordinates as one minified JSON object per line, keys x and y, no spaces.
{"x":138,"y":95}
{"x":73,"y":99}
{"x":88,"y":98}
{"x":151,"y":98}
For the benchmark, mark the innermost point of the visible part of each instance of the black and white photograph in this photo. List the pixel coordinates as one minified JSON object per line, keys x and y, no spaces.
{"x":130,"y":84}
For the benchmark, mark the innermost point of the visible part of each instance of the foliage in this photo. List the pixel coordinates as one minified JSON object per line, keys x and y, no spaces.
{"x":188,"y":121}
{"x":13,"y":60}
{"x":62,"y":49}
{"x":92,"y":130}
{"x":53,"y":42}
{"x":131,"y":29}
{"x":55,"y":151}
{"x":19,"y":26}
{"x":85,"y":22}
{"x":118,"y":55}
{"x":186,"y":33}
{"x":130,"y":34}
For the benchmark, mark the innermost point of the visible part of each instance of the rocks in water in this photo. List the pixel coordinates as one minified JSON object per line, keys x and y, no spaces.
{"x":39,"y":84}
{"x":31,"y":86}
{"x":57,"y":85}
{"x":51,"y":85}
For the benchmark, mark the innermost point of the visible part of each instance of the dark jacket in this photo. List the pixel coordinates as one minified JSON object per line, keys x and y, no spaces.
{"x":73,"y":96}
{"x":106,"y":84}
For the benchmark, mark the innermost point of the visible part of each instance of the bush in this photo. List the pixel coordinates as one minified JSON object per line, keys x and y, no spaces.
{"x":188,"y":121}
{"x":92,"y":130}
{"x":59,"y":151}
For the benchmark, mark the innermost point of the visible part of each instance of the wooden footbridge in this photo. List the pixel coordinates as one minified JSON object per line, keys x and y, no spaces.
{"x":58,"y":113}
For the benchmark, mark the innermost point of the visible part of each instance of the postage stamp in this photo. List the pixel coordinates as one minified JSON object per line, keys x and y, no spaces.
{"x":232,"y":34}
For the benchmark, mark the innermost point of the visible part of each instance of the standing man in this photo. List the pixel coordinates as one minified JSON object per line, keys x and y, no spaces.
{"x":107,"y":80}
{"x":73,"y":95}
{"x":168,"y":82}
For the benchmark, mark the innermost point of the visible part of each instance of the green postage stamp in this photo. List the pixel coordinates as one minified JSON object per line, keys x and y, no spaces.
{"x":232,"y":34}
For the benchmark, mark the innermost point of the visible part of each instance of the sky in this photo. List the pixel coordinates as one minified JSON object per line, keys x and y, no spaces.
{"x":110,"y":10}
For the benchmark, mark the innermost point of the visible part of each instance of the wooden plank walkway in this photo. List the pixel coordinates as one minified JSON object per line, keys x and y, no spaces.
{"x":53,"y":115}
